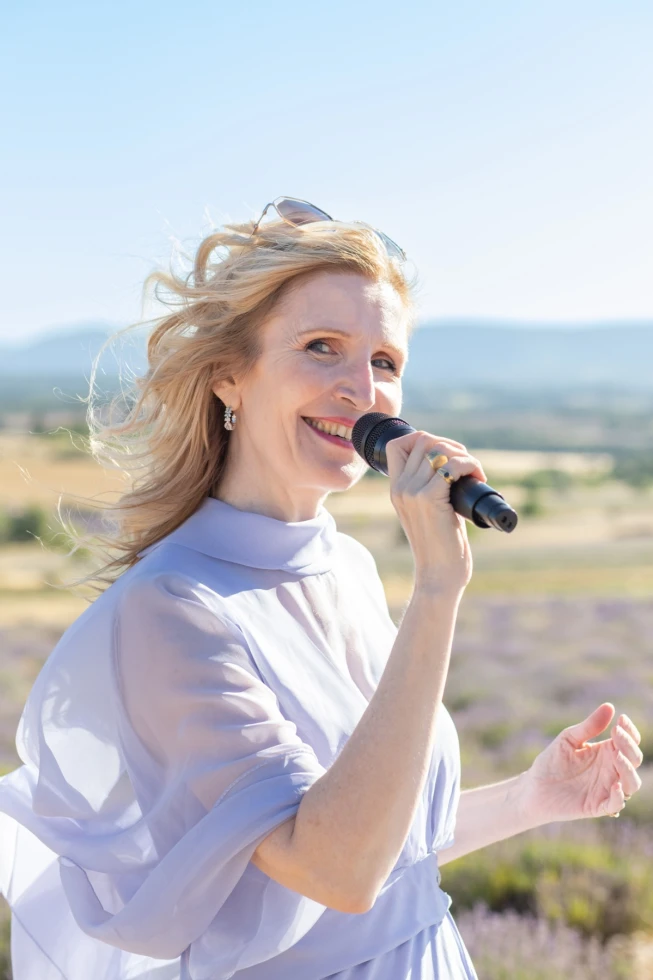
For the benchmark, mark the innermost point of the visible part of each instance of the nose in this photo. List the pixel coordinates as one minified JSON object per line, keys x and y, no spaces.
{"x":358,"y":385}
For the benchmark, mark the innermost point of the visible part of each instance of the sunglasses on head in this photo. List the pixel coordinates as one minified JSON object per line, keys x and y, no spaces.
{"x":298,"y":212}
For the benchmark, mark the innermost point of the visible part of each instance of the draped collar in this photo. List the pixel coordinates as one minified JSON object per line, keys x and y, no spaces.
{"x":221,"y":530}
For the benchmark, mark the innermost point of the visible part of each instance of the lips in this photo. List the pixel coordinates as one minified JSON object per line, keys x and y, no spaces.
{"x":336,"y":440}
{"x":335,"y":419}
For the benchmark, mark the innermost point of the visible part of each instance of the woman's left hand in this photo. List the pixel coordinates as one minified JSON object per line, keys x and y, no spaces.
{"x":571,"y":779}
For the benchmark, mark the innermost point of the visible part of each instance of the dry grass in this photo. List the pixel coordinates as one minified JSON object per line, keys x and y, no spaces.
{"x":40,"y":609}
{"x":595,"y":540}
{"x":34,"y":470}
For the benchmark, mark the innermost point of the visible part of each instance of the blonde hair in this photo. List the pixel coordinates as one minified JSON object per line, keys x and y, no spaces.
{"x":171,"y":444}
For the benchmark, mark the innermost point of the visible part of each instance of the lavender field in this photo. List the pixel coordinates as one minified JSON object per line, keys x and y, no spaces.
{"x":575,"y":898}
{"x":523,"y":668}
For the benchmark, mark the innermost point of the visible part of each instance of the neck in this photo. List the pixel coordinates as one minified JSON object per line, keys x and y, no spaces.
{"x":281,"y":506}
{"x":250,"y":482}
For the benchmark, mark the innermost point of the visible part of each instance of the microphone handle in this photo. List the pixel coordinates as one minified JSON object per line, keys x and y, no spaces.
{"x":474,"y":500}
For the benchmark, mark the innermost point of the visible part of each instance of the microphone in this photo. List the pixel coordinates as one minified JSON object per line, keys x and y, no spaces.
{"x":476,"y":501}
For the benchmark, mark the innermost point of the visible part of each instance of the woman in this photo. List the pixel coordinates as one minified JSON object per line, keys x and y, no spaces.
{"x":234,"y":763}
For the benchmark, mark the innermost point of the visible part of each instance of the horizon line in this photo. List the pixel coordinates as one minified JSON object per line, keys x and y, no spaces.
{"x":107,"y":327}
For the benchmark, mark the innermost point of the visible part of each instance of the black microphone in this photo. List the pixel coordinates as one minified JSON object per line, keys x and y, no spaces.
{"x":472,"y":499}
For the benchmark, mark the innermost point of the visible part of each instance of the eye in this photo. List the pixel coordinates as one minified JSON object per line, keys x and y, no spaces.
{"x":387,"y":360}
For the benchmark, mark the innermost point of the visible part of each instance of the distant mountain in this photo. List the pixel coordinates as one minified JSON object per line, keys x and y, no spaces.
{"x":70,"y":353}
{"x":443,"y":354}
{"x":465,"y":353}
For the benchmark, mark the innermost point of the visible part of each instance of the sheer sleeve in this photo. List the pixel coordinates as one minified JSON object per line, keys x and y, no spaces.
{"x":214,"y":767}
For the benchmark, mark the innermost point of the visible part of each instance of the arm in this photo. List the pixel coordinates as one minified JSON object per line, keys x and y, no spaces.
{"x":571,"y":779}
{"x":487,"y":814}
{"x":353,"y":821}
{"x":553,"y":789}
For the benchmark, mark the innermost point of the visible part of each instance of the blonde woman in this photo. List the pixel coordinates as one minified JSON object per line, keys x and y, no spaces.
{"x":234,"y":763}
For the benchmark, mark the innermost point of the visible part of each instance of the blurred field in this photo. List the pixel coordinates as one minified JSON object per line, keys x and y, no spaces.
{"x":37,"y":469}
{"x":588,"y":540}
{"x":588,"y":548}
{"x":591,"y":538}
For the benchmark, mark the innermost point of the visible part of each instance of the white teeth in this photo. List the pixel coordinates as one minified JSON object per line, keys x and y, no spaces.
{"x":332,"y":428}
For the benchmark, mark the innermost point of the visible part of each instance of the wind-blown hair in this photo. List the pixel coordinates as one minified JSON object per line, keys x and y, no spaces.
{"x":169,"y":442}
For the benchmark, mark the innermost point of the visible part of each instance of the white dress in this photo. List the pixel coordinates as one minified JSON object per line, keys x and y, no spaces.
{"x":175,"y":724}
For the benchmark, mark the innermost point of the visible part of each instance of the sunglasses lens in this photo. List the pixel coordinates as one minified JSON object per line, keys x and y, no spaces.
{"x":300,"y":212}
{"x":394,"y":251}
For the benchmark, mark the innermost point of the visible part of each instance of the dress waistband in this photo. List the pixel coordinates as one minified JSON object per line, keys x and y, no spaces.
{"x":411,"y":900}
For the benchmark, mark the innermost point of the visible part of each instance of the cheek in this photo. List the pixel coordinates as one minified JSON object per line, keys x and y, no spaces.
{"x":389,"y":399}
{"x":307,"y":386}
{"x":310,"y":374}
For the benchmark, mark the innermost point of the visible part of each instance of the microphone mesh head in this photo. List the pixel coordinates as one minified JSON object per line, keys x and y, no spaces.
{"x":367,"y":430}
{"x":362,"y":427}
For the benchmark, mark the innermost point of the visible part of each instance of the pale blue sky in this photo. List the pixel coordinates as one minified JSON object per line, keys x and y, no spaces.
{"x":508,"y":146}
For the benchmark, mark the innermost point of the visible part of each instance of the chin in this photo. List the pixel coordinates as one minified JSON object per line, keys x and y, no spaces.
{"x":347,"y":476}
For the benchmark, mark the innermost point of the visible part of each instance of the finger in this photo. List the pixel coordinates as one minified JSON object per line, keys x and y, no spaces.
{"x":450,"y":442}
{"x":458,"y":466}
{"x":630,"y":727}
{"x":593,"y":725}
{"x":615,"y":802}
{"x":418,"y":462}
{"x":416,"y":447}
{"x":405,"y":453}
{"x":628,"y":776}
{"x":628,"y":746}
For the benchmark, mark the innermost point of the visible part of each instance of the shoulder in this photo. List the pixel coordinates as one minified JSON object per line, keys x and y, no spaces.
{"x":171,"y":632}
{"x":173,"y":569}
{"x":164,"y":586}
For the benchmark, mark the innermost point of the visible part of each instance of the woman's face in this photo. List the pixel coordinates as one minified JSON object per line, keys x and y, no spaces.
{"x":334,"y":348}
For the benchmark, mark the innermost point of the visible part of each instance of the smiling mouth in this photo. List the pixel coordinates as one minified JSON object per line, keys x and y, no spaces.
{"x":331,"y":430}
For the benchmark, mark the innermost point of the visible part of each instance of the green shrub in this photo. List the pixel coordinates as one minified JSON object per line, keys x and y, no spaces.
{"x":26,"y":524}
{"x":599,"y":889}
{"x":5,"y":945}
{"x":495,"y":734}
{"x":532,"y":505}
{"x":30,"y":523}
{"x":550,"y":479}
{"x":636,"y":469}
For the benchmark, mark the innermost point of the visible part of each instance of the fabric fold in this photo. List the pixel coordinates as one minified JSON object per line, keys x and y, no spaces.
{"x":182,"y":896}
{"x":177,"y":722}
{"x":361,"y":937}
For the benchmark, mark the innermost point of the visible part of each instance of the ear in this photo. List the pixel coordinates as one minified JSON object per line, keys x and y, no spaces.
{"x":227,"y":391}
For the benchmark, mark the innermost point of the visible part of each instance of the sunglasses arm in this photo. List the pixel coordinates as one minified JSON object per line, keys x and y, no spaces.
{"x":270,"y":205}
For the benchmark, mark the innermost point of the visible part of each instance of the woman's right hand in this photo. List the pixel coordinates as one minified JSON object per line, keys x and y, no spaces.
{"x":436,"y":533}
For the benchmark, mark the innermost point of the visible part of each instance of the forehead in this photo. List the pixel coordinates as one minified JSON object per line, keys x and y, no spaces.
{"x":344,"y":301}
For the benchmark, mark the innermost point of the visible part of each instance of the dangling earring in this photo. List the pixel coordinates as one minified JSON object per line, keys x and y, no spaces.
{"x":229,"y":417}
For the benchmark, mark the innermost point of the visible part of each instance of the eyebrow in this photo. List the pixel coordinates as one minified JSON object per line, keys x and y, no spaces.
{"x":345,"y":333}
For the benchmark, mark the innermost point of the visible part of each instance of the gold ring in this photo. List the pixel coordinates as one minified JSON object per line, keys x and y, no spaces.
{"x":446,"y":475}
{"x":436,"y":458}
